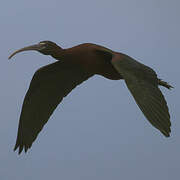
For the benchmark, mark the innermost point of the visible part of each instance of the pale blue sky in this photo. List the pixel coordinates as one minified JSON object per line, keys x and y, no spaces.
{"x":98,"y":132}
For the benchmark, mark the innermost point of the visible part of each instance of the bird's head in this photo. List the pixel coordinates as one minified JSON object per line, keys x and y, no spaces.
{"x":44,"y":47}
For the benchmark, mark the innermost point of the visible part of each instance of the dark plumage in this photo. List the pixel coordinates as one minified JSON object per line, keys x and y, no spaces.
{"x":51,"y":83}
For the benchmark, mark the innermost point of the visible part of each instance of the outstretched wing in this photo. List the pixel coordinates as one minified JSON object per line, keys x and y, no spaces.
{"x":47,"y":88}
{"x":142,"y":82}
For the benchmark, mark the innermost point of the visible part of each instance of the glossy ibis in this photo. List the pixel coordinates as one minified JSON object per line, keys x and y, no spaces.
{"x":51,"y":83}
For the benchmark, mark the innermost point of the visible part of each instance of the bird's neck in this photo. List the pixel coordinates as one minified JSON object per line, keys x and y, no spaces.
{"x":58,"y":53}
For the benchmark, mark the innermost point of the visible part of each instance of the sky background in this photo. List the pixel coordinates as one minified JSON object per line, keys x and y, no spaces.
{"x":98,"y":132}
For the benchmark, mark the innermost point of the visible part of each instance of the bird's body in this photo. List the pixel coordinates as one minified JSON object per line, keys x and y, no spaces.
{"x":75,"y":65}
{"x":89,"y":59}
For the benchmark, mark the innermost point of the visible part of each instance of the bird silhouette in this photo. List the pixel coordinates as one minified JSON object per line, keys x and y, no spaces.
{"x":51,"y":83}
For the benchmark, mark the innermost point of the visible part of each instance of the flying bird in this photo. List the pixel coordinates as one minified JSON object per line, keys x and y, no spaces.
{"x":51,"y":83}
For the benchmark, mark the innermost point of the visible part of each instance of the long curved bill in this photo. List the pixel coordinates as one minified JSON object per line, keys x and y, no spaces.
{"x":35,"y":47}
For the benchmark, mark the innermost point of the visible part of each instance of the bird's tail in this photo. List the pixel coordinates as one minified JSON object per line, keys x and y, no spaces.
{"x":165,"y":84}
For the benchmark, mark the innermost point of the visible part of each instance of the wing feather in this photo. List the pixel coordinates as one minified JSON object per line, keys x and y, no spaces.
{"x":47,"y":88}
{"x":142,"y":82}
